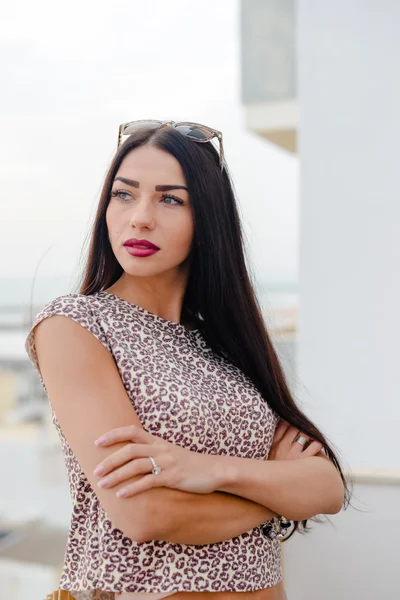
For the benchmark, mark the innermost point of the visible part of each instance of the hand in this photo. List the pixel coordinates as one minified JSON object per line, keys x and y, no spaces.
{"x":285,"y":448}
{"x":181,"y":469}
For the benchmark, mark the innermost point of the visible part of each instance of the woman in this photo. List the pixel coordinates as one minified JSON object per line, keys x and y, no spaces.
{"x":166,"y":423}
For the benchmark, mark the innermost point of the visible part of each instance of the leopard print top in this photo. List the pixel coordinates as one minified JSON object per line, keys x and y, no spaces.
{"x":185,"y":392}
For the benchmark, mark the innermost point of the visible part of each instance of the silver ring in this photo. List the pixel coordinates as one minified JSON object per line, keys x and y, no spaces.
{"x":156,"y":469}
{"x":301,"y":440}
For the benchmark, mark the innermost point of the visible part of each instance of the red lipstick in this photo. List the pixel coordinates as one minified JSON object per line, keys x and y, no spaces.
{"x":140,"y":248}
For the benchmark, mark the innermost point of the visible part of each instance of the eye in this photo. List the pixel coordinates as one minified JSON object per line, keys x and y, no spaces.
{"x":120,"y":193}
{"x":172,"y":197}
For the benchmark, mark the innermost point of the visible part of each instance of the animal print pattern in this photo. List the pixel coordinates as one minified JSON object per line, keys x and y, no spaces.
{"x":185,"y":392}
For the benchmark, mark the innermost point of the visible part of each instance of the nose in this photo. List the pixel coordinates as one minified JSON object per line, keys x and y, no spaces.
{"x":143,"y":214}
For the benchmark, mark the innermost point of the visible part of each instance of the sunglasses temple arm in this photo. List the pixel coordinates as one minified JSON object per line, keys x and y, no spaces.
{"x":119,"y":135}
{"x":221,"y":153}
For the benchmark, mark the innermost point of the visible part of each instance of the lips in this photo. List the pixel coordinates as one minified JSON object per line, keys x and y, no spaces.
{"x":134,"y":243}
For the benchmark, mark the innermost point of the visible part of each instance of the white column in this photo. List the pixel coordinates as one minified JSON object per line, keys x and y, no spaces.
{"x":349,"y":314}
{"x":349,"y":144}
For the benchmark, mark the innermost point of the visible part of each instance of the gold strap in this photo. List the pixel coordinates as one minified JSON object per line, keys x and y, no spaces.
{"x":59,"y":595}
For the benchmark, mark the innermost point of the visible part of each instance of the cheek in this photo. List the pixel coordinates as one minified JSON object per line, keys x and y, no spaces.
{"x":108,"y":217}
{"x":111,"y":218}
{"x":184,"y":233}
{"x":178,"y":240}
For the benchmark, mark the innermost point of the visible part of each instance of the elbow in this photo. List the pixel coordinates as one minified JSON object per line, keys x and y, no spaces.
{"x":326,"y":506}
{"x":337,"y":491}
{"x":326,"y":499}
{"x":337,"y":498}
{"x":333,"y":489}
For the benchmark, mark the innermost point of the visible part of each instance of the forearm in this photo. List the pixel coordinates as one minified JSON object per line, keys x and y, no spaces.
{"x":298,"y":489}
{"x":188,"y":518}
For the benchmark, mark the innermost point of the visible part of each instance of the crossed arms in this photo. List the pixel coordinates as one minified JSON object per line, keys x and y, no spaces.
{"x":89,"y":398}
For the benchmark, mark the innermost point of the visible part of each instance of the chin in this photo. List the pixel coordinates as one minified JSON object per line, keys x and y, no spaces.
{"x":149,"y":266}
{"x":141,"y":269}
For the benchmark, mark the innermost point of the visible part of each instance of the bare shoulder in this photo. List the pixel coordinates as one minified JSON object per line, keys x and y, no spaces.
{"x":68,"y":336}
{"x":57,"y":321}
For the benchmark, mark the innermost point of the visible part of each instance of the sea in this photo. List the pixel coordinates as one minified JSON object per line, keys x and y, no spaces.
{"x":21,"y":298}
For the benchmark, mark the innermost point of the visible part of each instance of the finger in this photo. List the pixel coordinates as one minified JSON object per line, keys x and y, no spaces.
{"x":124,"y":434}
{"x":280,"y":431}
{"x":313,"y":449}
{"x":122,"y":456}
{"x":296,"y":449}
{"x":294,"y":433}
{"x":145,"y":483}
{"x":287,"y":446}
{"x":140,"y":466}
{"x":300,"y":451}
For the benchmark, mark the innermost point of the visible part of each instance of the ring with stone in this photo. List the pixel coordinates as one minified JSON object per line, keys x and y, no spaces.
{"x":300,"y":439}
{"x":156,"y":469}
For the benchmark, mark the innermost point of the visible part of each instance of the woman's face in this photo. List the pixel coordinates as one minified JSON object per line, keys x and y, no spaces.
{"x":139,"y":209}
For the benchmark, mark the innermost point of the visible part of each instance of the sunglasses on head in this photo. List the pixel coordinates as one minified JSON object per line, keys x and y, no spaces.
{"x":194,"y":131}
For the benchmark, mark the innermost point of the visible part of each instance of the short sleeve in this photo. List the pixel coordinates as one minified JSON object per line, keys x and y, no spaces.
{"x":75,"y":306}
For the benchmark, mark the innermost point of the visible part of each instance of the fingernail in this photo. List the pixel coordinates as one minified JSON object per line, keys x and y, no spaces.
{"x":98,"y":471}
{"x":122,"y":493}
{"x":104,"y":482}
{"x":100,"y":441}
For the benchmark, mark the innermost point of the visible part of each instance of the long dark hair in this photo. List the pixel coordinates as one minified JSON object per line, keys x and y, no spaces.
{"x":219,"y":290}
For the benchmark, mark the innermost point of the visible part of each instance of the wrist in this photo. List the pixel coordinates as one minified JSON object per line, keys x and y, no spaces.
{"x":226,"y":473}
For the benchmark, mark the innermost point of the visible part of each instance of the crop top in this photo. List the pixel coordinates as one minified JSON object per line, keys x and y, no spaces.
{"x":187,"y":393}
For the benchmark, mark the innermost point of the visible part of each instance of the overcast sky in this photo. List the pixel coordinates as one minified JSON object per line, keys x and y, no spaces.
{"x":72,"y":72}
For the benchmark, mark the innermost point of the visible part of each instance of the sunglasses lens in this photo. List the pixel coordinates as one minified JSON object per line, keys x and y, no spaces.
{"x":140,"y":125}
{"x":195,"y":132}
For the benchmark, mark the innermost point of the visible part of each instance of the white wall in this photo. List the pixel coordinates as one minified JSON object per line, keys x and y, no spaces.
{"x":355,"y":557}
{"x":349,"y":318}
{"x":349,"y":301}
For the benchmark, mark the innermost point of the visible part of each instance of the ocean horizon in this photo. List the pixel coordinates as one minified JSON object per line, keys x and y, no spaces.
{"x":22,"y":292}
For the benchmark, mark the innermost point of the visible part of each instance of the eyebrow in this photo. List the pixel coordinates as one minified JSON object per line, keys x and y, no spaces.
{"x":158,"y":188}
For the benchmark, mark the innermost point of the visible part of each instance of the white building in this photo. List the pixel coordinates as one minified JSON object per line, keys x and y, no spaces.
{"x":321,"y":78}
